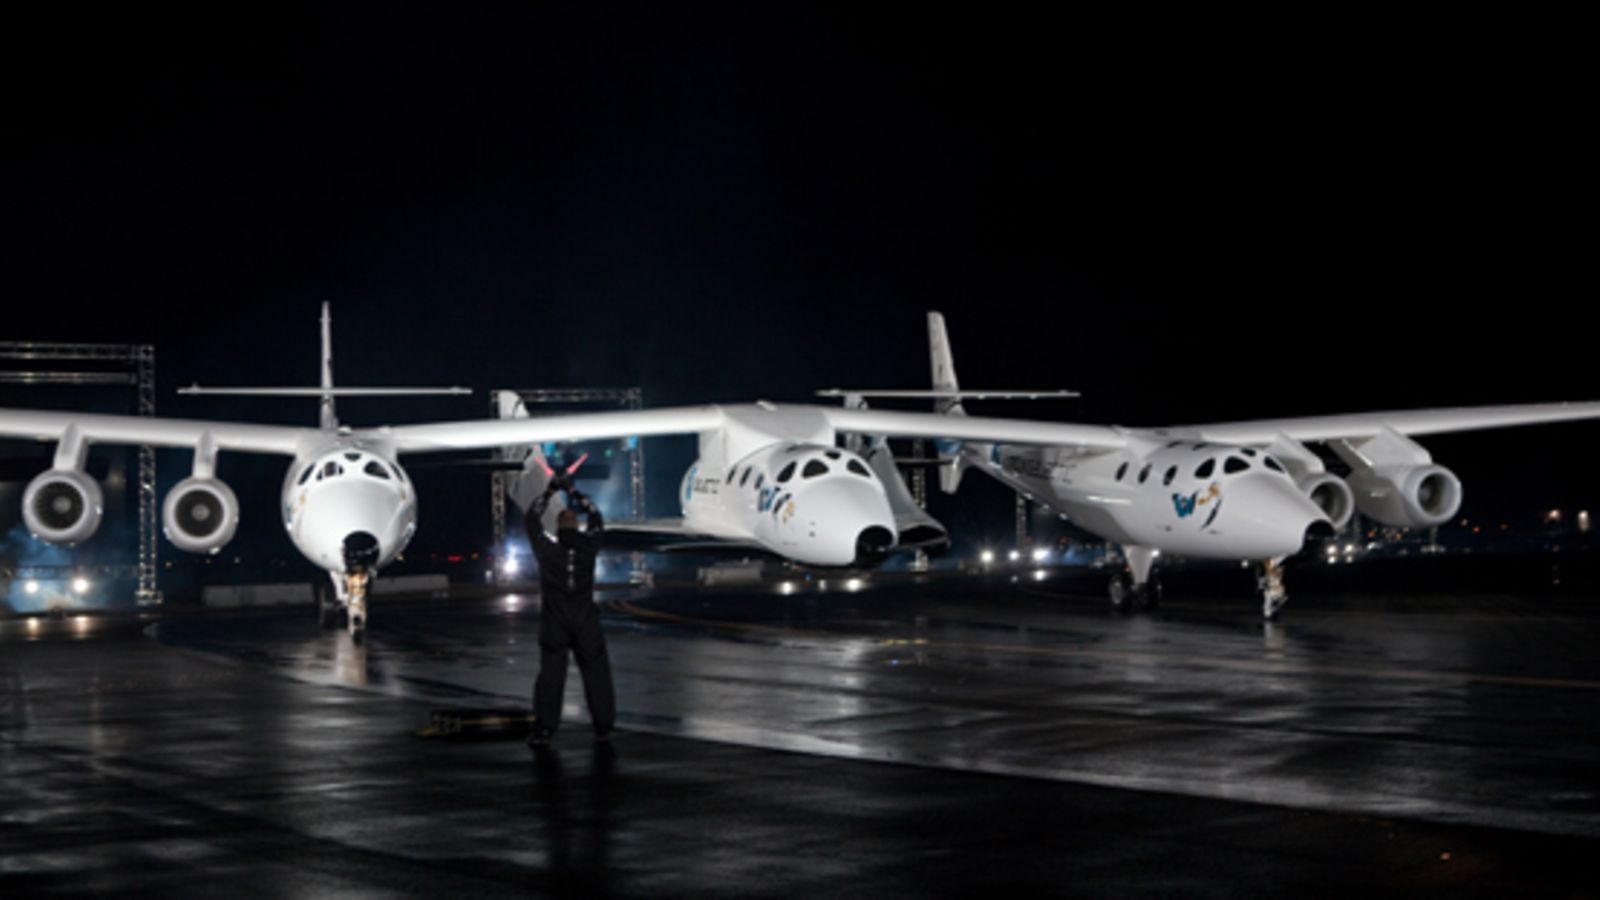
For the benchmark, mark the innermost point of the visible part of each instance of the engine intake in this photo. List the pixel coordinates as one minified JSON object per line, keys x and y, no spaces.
{"x":1407,"y":496}
{"x":1332,"y":496}
{"x":63,"y":506}
{"x":200,"y":515}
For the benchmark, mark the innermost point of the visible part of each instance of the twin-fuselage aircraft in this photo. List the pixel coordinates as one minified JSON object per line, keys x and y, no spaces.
{"x":775,"y":478}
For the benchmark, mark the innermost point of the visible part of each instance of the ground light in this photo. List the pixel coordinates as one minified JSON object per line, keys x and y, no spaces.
{"x":80,"y":585}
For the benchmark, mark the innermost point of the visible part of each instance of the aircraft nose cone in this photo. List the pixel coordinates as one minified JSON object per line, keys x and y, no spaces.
{"x":360,"y":551}
{"x":873,"y":544}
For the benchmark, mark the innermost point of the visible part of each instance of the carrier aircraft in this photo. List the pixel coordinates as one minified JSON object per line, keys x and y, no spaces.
{"x":1232,"y":490}
{"x":769,"y":477}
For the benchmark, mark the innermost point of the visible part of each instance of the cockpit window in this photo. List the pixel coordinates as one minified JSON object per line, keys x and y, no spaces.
{"x":760,"y":479}
{"x":1205,"y":469}
{"x":1248,"y":451}
{"x":375,"y":470}
{"x":1234,"y":465}
{"x":1144,"y":473}
{"x":1172,"y":472}
{"x":787,"y":472}
{"x":856,"y":467}
{"x":832,"y":454}
{"x":1121,"y":471}
{"x":745,"y":478}
{"x":331,"y":469}
{"x":814,"y":468}
{"x":731,"y":472}
{"x":1271,"y":463}
{"x":306,"y":475}
{"x":398,"y":475}
{"x":353,"y":457}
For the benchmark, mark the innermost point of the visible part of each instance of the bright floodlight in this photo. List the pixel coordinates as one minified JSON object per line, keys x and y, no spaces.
{"x":511,"y":566}
{"x":986,"y":557}
{"x":80,"y":585}
{"x":32,"y":587}
{"x":853,"y":585}
{"x":1039,"y":553}
{"x":1014,"y":555}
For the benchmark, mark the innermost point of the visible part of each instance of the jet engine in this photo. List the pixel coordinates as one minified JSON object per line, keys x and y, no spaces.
{"x":63,"y":506}
{"x":200,"y":515}
{"x":1407,"y":496}
{"x":1332,"y":496}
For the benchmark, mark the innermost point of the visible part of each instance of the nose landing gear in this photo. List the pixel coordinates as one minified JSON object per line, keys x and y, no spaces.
{"x":360,"y":559}
{"x":1270,"y":585}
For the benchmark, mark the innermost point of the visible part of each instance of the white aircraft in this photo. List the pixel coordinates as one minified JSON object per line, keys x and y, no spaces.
{"x":768,"y":476}
{"x":1232,"y":490}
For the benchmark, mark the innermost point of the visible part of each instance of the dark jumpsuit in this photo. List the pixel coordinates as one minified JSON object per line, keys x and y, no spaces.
{"x":569,"y":619}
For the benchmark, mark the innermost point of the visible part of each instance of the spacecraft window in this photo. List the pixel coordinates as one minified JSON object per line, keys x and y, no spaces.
{"x":1172,"y":472}
{"x":1205,"y":469}
{"x":745,"y":478}
{"x":1234,"y":465}
{"x":787,"y":472}
{"x":1271,"y":463}
{"x":353,"y":457}
{"x":306,"y":475}
{"x":759,"y":480}
{"x":1247,"y":451}
{"x":856,"y":467}
{"x":375,"y":470}
{"x":1144,"y":473}
{"x":1121,"y":471}
{"x":397,"y":474}
{"x":331,"y":469}
{"x":832,"y":454}
{"x":814,"y":468}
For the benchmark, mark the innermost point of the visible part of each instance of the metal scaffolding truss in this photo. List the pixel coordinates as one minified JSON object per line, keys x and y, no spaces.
{"x":132,"y":365}
{"x":537,"y":401}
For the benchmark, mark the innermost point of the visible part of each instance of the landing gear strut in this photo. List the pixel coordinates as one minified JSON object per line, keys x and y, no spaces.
{"x":1270,"y":585}
{"x":1136,"y":585}
{"x":355,"y":585}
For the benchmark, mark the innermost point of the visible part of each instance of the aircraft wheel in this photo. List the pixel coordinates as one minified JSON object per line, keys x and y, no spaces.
{"x":1151,"y":595}
{"x":1121,"y":590}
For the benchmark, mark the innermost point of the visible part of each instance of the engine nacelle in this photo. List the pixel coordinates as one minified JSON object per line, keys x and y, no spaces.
{"x":1407,"y":496}
{"x":1332,"y":495}
{"x":200,"y":515}
{"x":63,"y":506}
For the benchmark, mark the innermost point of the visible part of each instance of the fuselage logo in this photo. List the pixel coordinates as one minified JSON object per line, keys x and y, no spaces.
{"x":1186,"y":506}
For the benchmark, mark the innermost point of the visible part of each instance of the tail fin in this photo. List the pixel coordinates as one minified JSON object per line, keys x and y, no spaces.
{"x":944,"y":365}
{"x":944,"y":379}
{"x":329,"y":418}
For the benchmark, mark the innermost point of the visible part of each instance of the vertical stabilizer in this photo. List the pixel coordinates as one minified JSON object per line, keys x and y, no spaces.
{"x":944,"y":379}
{"x":329,"y":418}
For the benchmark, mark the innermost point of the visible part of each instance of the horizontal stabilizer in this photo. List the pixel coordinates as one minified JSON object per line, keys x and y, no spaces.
{"x":935,"y":394}
{"x":197,"y":390}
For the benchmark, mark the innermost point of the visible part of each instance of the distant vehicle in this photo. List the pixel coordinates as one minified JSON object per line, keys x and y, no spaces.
{"x":1230,"y":490}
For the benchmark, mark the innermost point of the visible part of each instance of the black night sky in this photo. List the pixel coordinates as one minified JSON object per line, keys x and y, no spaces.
{"x":1186,"y":220}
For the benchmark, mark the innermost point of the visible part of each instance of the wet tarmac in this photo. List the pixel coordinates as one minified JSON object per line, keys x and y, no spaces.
{"x":933,"y":739}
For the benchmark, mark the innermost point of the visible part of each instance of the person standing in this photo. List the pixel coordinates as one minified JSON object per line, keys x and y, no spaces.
{"x":569,"y":621}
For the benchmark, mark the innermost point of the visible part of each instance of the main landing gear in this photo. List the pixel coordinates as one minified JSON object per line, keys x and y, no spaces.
{"x":1136,"y":586}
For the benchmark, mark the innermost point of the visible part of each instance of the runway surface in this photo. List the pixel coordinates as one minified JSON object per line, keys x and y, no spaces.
{"x":1036,"y":741}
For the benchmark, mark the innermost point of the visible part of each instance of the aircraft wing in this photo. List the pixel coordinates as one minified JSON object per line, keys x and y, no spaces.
{"x":487,"y":433}
{"x":891,"y":423}
{"x":49,"y":425}
{"x":1409,"y":422}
